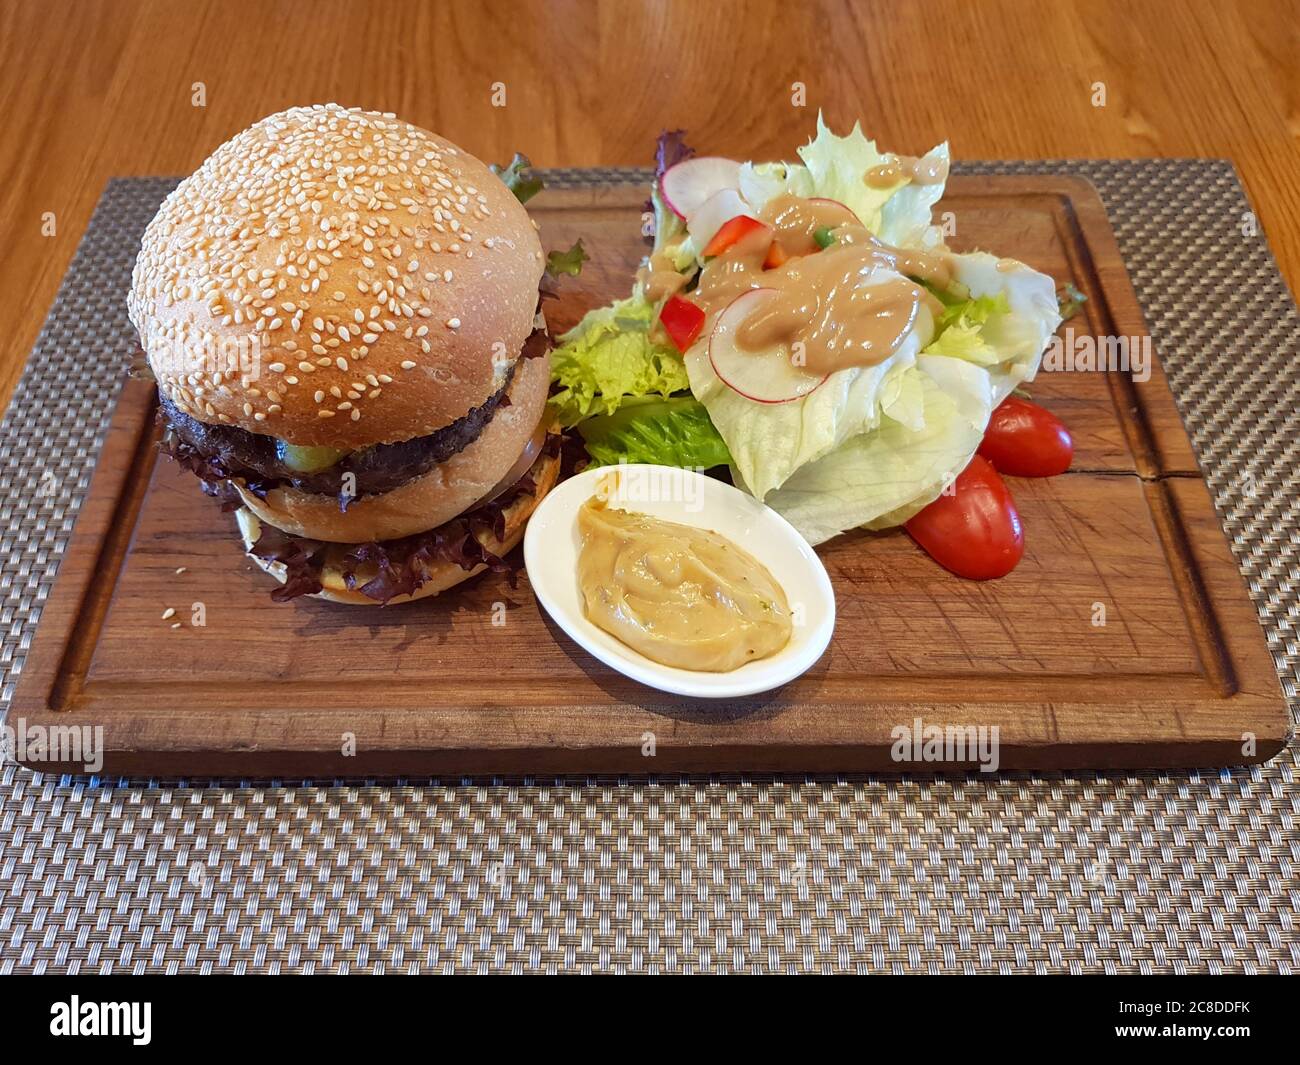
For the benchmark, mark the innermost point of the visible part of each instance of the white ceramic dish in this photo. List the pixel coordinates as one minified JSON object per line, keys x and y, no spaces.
{"x":551,"y":547}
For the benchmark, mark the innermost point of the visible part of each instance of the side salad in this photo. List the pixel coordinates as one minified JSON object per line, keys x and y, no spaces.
{"x":870,"y":440}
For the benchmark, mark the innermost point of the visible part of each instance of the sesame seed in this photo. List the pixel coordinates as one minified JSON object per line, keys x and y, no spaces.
{"x":407,"y":364}
{"x":170,"y":612}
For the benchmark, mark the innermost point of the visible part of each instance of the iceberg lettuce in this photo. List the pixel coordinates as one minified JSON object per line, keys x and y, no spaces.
{"x":905,"y":218}
{"x":838,"y":167}
{"x":883,"y":477}
{"x":770,"y":441}
{"x":834,"y":167}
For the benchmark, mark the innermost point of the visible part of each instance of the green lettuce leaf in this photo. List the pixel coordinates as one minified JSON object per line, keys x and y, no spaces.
{"x":669,"y":432}
{"x":959,"y":329}
{"x":671,"y":238}
{"x":567,"y":262}
{"x":519,"y":177}
{"x":899,"y":214}
{"x":1020,"y":322}
{"x":905,"y":217}
{"x":964,"y":340}
{"x":608,"y":357}
{"x":973,"y":310}
{"x":838,"y":165}
{"x":1070,"y":301}
{"x":902,"y":397}
{"x":998,"y":314}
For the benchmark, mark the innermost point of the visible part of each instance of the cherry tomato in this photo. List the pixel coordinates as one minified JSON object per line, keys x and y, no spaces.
{"x":682,"y":321}
{"x":974,"y":530}
{"x":1026,"y":440}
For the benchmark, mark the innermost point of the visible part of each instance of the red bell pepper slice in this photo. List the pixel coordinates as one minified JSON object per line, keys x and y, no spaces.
{"x":682,"y":321}
{"x":731,"y":232}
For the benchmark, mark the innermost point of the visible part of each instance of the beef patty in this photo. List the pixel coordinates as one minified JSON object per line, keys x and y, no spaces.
{"x":228,"y":451}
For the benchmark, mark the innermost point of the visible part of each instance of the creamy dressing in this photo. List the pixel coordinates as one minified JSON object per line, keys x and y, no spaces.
{"x":661,"y":277}
{"x":922,"y":171}
{"x":795,"y":220}
{"x":838,"y":304}
{"x":838,"y":309}
{"x":678,"y":595}
{"x":852,"y":303}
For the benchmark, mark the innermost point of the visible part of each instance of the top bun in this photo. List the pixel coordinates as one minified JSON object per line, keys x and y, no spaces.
{"x":336,"y":278}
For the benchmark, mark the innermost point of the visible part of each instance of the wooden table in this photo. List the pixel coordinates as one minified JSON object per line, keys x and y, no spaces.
{"x":95,"y":88}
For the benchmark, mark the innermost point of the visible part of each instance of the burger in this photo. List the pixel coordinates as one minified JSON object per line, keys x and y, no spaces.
{"x":341,"y":311}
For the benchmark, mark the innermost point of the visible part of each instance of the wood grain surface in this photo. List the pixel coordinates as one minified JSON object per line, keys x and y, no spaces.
{"x":1124,"y":638}
{"x":95,"y":88}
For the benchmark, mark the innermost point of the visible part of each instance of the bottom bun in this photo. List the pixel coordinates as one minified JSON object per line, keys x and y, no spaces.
{"x":440,"y":574}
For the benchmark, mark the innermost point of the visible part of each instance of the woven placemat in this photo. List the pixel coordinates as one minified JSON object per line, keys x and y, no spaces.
{"x":1132,"y":872}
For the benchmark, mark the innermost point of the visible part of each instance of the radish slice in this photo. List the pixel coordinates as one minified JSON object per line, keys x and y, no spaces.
{"x":842,"y":206}
{"x":763,"y":376}
{"x":713,"y":214}
{"x":692,"y":181}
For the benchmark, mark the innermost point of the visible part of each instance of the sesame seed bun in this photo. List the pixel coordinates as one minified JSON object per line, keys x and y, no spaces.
{"x":441,"y":575}
{"x":336,"y":278}
{"x":426,"y":501}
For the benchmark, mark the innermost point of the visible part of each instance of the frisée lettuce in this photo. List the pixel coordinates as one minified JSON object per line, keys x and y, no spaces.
{"x":608,"y":357}
{"x":628,"y":393}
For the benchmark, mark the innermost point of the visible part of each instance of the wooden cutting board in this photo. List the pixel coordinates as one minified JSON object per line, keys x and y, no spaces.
{"x":1124,"y":638}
